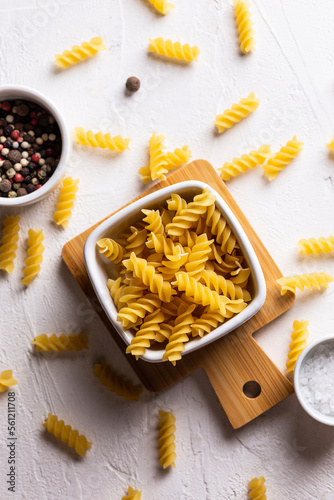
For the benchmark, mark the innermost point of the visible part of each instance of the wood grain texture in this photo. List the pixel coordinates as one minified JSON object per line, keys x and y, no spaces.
{"x":234,"y":359}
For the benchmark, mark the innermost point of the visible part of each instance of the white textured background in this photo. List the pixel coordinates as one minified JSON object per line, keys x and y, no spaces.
{"x":292,"y":72}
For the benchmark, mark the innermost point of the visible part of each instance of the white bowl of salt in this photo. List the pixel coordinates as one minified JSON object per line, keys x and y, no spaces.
{"x":314,"y":380}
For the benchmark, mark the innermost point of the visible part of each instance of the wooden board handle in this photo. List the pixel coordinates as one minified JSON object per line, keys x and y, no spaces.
{"x":245,"y":380}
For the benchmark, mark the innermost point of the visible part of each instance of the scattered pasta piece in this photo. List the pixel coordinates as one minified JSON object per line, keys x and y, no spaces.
{"x":281,"y":159}
{"x":9,"y":242}
{"x":66,"y":201}
{"x":80,"y":52}
{"x":160,"y":162}
{"x":62,"y":342}
{"x":174,"y":49}
{"x":35,"y":256}
{"x":67,"y":434}
{"x":299,"y":335}
{"x":257,"y":489}
{"x":330,"y":145}
{"x":162,"y":6}
{"x":116,"y":383}
{"x":166,"y":439}
{"x":316,"y":246}
{"x":99,"y":140}
{"x":245,"y":26}
{"x":182,"y":275}
{"x":313,"y":280}
{"x":247,"y":161}
{"x":237,"y":113}
{"x":6,"y":380}
{"x":132,"y":494}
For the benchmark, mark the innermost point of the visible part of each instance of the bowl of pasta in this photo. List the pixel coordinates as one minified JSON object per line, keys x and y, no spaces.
{"x":174,"y":271}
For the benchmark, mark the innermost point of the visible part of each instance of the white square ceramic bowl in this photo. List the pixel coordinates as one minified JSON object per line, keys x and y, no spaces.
{"x":97,"y":266}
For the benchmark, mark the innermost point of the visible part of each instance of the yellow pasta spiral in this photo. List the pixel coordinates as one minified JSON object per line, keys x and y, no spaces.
{"x":206,"y":323}
{"x":132,"y":494}
{"x":224,"y":286}
{"x":173,"y":263}
{"x":191,"y":214}
{"x":146,"y":334}
{"x":238,"y":111}
{"x":6,"y":380}
{"x":166,"y":440}
{"x":149,"y":277}
{"x":245,"y":25}
{"x":174,"y":49}
{"x":162,"y":6}
{"x":247,"y":161}
{"x":299,"y":335}
{"x":111,"y":249}
{"x":9,"y":242}
{"x":138,"y":309}
{"x":136,"y":242}
{"x":331,"y":144}
{"x":257,"y":488}
{"x":115,"y":383}
{"x":281,"y":159}
{"x":154,"y":221}
{"x":176,"y":203}
{"x":180,"y":334}
{"x":62,"y":342}
{"x":158,"y":162}
{"x":301,"y":281}
{"x":80,"y":52}
{"x":200,"y":293}
{"x":99,"y":140}
{"x":115,"y":288}
{"x":35,"y":256}
{"x":178,"y":157}
{"x":316,"y":246}
{"x":219,"y":228}
{"x":198,"y":256}
{"x":67,"y":434}
{"x":161,"y":244}
{"x":66,"y":201}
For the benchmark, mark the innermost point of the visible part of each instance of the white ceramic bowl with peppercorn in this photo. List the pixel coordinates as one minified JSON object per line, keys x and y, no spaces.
{"x":49,"y":161}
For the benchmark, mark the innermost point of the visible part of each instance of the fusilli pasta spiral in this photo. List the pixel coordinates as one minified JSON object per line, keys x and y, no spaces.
{"x":174,"y":49}
{"x":136,"y":242}
{"x":162,"y":6}
{"x":331,"y":144}
{"x":247,"y":161}
{"x":9,"y":241}
{"x":167,"y":439}
{"x":66,"y":201}
{"x":226,"y":287}
{"x":257,"y":488}
{"x":198,"y":256}
{"x":237,"y":113}
{"x":207,"y":322}
{"x":245,"y":25}
{"x":60,"y":343}
{"x":146,"y":334}
{"x":177,"y":158}
{"x":111,"y":249}
{"x":35,"y":256}
{"x":138,"y":310}
{"x":219,"y":228}
{"x":299,"y":335}
{"x":6,"y":380}
{"x":154,"y":221}
{"x":132,"y":494}
{"x":281,"y":159}
{"x":67,"y":434}
{"x":316,"y":246}
{"x":99,"y":140}
{"x":115,"y":383}
{"x":180,"y":333}
{"x":313,"y":280}
{"x":80,"y":52}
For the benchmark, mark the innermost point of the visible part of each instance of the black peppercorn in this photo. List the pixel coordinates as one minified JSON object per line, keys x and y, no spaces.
{"x":132,"y":84}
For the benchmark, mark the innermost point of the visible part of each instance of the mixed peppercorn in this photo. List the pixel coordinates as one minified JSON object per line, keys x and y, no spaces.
{"x":30,"y":147}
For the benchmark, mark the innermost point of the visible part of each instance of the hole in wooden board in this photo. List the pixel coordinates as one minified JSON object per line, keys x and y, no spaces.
{"x":251,"y":389}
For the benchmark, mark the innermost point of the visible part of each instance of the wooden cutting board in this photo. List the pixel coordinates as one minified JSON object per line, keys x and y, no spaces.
{"x":233,"y":360}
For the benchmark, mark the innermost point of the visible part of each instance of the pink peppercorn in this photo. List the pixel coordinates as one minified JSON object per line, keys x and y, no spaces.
{"x":33,"y":114}
{"x":6,"y":106}
{"x":50,"y":152}
{"x":38,"y":186}
{"x":18,"y":178}
{"x":1,"y":147}
{"x":35,"y":158}
{"x":33,"y":121}
{"x":20,"y":139}
{"x":15,"y":135}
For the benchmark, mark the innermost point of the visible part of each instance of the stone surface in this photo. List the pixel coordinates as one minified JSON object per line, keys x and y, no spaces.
{"x":292,"y":73}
